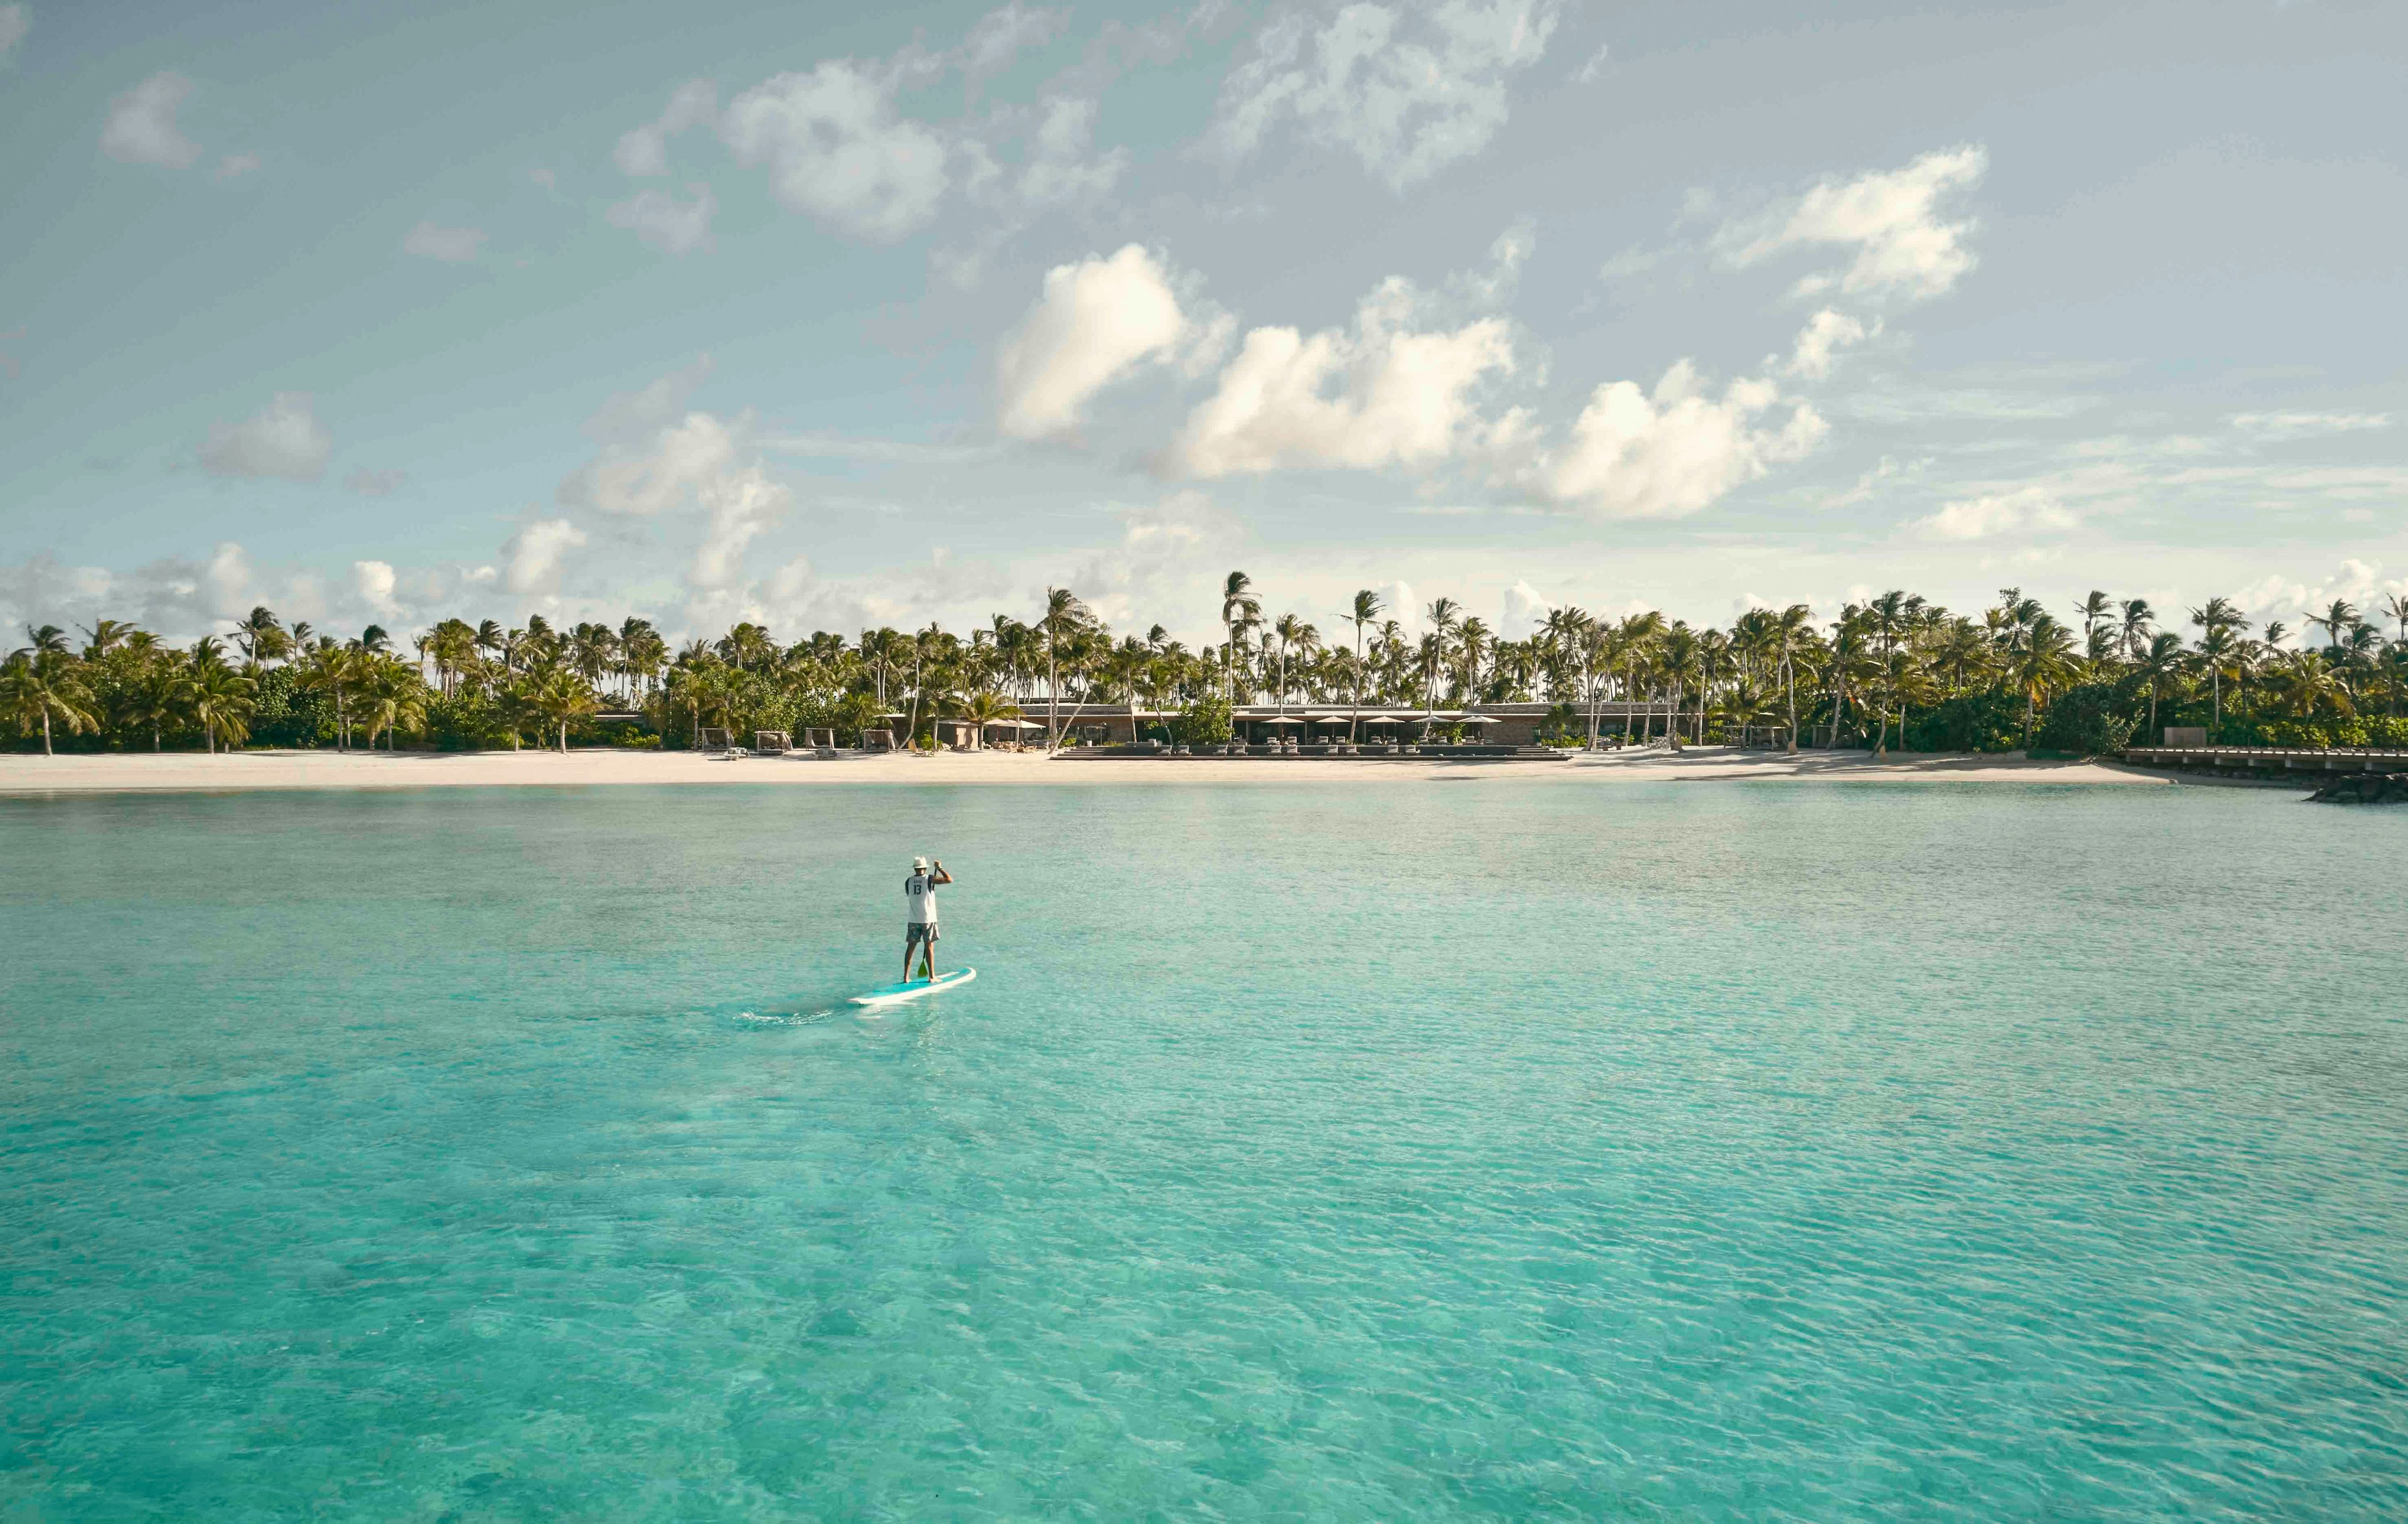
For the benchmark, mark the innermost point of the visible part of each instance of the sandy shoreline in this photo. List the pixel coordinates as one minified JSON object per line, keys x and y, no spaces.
{"x":136,"y":773}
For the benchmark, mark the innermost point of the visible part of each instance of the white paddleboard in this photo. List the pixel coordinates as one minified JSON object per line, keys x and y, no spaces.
{"x":892,"y":994}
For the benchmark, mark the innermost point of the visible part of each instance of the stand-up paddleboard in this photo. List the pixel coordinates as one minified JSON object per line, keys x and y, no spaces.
{"x":892,"y":994}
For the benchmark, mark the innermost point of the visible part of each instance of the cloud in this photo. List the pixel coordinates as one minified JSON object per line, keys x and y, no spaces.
{"x":374,"y":581}
{"x":1525,"y":608}
{"x":2280,"y":426}
{"x":282,"y":439}
{"x":1987,"y":517}
{"x":740,"y":504}
{"x":836,"y":148}
{"x":666,"y":223}
{"x":644,"y":151}
{"x":226,"y":579}
{"x":626,"y":416}
{"x":236,"y":165}
{"x":1098,"y":320}
{"x":1594,"y":69}
{"x":453,"y":245}
{"x":15,"y":22}
{"x":1407,"y":92}
{"x":2359,"y":582}
{"x":1000,"y":36}
{"x":689,"y":463}
{"x":141,"y":127}
{"x":532,"y":557}
{"x":1819,"y":342}
{"x":1380,"y":394}
{"x":1495,"y":286}
{"x":1637,"y":455}
{"x":1895,"y":220}
{"x":683,"y":457}
{"x":1059,"y":169}
{"x":1170,"y":554}
{"x":383,"y":483}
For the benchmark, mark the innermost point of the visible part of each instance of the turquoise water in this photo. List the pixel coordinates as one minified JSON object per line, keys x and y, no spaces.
{"x":1469,"y":1148}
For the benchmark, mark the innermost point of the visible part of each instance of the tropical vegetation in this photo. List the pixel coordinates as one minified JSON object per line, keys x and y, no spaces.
{"x":1894,"y":672}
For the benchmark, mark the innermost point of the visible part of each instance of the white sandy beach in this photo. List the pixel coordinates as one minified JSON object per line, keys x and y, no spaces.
{"x":136,"y":773}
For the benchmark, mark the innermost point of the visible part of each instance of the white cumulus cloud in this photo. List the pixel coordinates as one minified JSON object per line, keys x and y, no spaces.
{"x":1899,"y":222}
{"x":532,"y":557}
{"x":837,"y":149}
{"x":1990,"y":515}
{"x":697,"y":448}
{"x":282,"y":439}
{"x":1635,"y":455}
{"x":15,"y":20}
{"x":453,"y":245}
{"x":644,"y":151}
{"x":374,"y":581}
{"x":141,"y":127}
{"x":740,"y":505}
{"x":666,"y":223}
{"x":1098,"y":320}
{"x":1407,"y":91}
{"x":1384,"y":393}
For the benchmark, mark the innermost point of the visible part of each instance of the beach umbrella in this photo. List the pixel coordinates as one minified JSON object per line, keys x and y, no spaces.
{"x":1477,"y":719}
{"x":1329,"y":720}
{"x":1277,"y":720}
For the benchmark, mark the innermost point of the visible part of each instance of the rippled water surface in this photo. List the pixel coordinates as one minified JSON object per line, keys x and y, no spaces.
{"x":1469,"y":1147}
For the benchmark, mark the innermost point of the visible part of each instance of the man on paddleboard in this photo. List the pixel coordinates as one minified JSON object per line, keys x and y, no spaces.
{"x":920,"y":923}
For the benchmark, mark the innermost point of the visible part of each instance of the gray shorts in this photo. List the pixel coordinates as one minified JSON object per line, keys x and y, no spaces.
{"x":915,"y":932}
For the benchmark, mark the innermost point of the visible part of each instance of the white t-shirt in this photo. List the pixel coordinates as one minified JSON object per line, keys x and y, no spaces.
{"x":920,"y":893}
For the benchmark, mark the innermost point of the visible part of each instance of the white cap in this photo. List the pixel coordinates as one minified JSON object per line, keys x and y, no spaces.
{"x":919,"y":864}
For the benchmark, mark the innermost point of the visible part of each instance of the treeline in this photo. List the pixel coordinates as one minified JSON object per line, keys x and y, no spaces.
{"x":1897,"y":671}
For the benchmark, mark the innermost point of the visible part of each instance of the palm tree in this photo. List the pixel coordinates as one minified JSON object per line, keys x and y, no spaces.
{"x":153,"y":696}
{"x":2092,"y":608}
{"x":1789,"y":630}
{"x":1237,"y":603}
{"x":330,"y":669}
{"x":2138,"y":623}
{"x":1680,"y":661}
{"x":2336,"y":621}
{"x":1443,"y":616}
{"x":1366,"y":608}
{"x":558,"y":695}
{"x":103,"y":637}
{"x":2040,"y":656}
{"x":1064,"y":615}
{"x":2306,"y":684}
{"x":2161,"y":659}
{"x":220,"y":699}
{"x":395,"y":695}
{"x":261,"y":635}
{"x":41,"y":684}
{"x":2219,"y":649}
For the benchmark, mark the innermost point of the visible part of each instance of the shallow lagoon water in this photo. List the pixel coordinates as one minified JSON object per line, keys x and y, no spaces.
{"x":1481,"y":1147}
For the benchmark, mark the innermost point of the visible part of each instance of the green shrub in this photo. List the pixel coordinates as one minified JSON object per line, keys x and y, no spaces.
{"x":1990,"y":721}
{"x":2090,"y":720}
{"x":1202,"y":724}
{"x":1563,"y":727}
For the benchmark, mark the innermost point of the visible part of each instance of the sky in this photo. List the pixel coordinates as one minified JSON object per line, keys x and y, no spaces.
{"x":833,"y":316}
